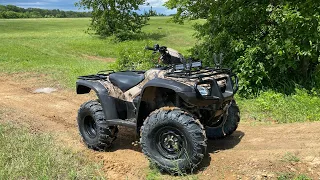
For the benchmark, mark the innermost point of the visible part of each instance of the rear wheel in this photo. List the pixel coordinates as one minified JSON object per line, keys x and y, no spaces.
{"x":228,"y":125}
{"x":173,"y":140}
{"x":93,"y":128}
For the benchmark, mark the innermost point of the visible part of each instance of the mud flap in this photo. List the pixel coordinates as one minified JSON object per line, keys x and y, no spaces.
{"x":108,"y":106}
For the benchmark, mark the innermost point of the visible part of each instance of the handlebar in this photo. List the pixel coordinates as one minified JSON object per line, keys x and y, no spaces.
{"x":149,"y":48}
{"x":157,"y":48}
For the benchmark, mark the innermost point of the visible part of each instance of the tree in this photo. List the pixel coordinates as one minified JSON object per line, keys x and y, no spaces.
{"x":11,"y":14}
{"x":271,"y":44}
{"x":152,"y":12}
{"x":111,"y":17}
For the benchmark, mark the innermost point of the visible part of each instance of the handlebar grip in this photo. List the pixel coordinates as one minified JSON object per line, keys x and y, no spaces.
{"x":149,"y":48}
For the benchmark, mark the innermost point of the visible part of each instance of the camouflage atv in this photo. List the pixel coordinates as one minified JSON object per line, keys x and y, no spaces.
{"x":174,"y":109}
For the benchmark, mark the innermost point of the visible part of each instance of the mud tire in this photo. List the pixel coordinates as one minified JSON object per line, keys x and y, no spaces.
{"x":93,"y":128}
{"x":231,"y":124}
{"x":190,"y":132}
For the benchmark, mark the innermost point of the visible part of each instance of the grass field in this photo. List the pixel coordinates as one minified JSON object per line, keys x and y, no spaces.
{"x":35,"y":156}
{"x":61,"y":48}
{"x":26,"y":155}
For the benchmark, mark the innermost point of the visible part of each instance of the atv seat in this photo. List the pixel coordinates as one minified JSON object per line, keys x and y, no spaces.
{"x":125,"y":80}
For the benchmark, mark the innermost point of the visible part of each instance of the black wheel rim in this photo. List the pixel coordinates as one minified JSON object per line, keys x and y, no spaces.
{"x":170,"y":142}
{"x":90,"y":127}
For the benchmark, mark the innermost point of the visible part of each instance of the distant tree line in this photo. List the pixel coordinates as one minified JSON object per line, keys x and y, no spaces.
{"x":11,"y":12}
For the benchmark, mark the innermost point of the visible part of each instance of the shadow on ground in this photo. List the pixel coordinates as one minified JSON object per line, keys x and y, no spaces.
{"x":139,"y":36}
{"x":214,"y":146}
{"x":126,"y":140}
{"x":225,"y":143}
{"x":148,"y":36}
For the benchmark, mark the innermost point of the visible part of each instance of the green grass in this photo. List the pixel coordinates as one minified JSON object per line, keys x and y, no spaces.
{"x":292,"y":176}
{"x":60,"y":47}
{"x":153,"y":174}
{"x":35,"y":156}
{"x":289,"y":157}
{"x":276,"y":107}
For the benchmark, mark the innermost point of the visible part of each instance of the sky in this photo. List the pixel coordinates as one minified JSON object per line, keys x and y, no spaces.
{"x":67,"y":5}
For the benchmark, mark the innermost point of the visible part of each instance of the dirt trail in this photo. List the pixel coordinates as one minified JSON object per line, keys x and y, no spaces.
{"x":252,"y":152}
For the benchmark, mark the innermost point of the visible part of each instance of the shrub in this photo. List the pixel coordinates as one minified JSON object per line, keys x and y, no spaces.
{"x":132,"y":57}
{"x":271,"y":44}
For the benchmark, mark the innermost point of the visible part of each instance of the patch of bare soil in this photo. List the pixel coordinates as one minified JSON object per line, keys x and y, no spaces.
{"x":252,"y":152}
{"x":98,"y":58}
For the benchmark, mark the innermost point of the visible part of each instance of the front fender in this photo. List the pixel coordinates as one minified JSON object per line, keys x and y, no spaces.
{"x":186,"y":92}
{"x":168,"y":84}
{"x":149,"y":92}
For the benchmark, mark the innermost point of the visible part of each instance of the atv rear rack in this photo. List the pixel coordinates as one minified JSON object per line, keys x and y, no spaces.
{"x":103,"y":75}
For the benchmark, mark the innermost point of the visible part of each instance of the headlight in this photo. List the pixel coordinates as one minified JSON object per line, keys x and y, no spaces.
{"x":203,"y":91}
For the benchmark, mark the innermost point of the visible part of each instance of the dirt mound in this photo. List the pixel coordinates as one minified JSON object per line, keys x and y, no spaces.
{"x":252,"y":152}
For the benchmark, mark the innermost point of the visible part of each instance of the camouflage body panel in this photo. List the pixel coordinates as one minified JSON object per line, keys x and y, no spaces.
{"x":149,"y":75}
{"x":133,"y":92}
{"x":113,"y":90}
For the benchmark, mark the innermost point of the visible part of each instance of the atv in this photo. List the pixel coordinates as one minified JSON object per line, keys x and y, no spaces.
{"x":173,"y":108}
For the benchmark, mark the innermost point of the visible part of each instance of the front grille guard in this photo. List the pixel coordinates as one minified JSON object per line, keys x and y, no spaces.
{"x":215,"y":90}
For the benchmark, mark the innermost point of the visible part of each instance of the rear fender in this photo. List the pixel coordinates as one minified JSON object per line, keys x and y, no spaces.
{"x":107,"y":102}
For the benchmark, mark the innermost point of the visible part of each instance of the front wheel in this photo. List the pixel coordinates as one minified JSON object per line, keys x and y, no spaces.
{"x":228,"y":125}
{"x":173,"y":140}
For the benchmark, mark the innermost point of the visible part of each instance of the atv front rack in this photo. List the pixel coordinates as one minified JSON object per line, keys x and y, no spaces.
{"x":210,"y":77}
{"x":198,"y":73}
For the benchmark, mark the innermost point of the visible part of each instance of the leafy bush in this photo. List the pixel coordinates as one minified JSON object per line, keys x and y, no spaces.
{"x":271,"y":44}
{"x":132,"y":57}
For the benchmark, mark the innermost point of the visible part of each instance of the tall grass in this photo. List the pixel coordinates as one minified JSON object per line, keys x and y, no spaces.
{"x":271,"y":106}
{"x":35,"y":156}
